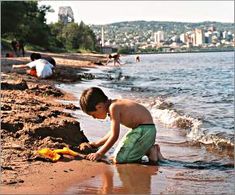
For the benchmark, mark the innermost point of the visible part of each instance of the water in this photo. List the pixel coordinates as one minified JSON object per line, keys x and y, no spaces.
{"x":191,"y":93}
{"x":196,"y":91}
{"x":191,"y":98}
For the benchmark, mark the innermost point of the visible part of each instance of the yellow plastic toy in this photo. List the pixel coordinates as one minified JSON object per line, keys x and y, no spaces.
{"x":47,"y":153}
{"x":66,"y":150}
{"x":54,"y":155}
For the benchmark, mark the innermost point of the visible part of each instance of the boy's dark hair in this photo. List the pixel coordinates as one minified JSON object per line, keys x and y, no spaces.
{"x":35,"y":56}
{"x":90,"y":98}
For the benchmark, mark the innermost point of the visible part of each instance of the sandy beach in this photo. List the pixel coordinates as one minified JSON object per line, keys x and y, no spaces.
{"x":33,"y":117}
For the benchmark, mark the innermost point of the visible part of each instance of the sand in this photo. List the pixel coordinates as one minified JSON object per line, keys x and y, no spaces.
{"x":32,"y":119}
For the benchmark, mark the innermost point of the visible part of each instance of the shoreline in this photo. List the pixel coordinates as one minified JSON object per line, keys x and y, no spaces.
{"x":208,"y":51}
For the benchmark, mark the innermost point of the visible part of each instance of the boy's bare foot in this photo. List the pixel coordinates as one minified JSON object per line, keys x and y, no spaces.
{"x":155,"y":153}
{"x":113,"y":160}
{"x":160,"y":157}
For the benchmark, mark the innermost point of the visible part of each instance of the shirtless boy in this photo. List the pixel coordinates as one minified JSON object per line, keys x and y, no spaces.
{"x":116,"y":59}
{"x":139,"y":141}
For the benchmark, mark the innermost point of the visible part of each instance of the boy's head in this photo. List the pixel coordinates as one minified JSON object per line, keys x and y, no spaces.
{"x":35,"y":56}
{"x":92,"y":102}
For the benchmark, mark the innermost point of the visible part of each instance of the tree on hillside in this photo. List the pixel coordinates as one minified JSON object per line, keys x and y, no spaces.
{"x":25,"y":20}
{"x":56,"y":38}
{"x":86,"y":37}
{"x":73,"y":36}
{"x":70,"y":34}
{"x":12,"y":14}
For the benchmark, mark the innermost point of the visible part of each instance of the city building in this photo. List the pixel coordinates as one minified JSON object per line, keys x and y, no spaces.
{"x":199,"y":37}
{"x":158,"y":37}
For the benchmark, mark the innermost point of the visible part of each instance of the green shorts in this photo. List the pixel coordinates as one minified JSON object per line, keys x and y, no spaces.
{"x":135,"y":144}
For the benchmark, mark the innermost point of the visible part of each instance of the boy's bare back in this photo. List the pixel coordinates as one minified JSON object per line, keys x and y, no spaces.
{"x":131,"y":113}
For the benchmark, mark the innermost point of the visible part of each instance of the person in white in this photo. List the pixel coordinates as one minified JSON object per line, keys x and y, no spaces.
{"x":40,"y":68}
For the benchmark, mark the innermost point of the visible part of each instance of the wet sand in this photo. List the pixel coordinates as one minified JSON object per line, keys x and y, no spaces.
{"x":190,"y":170}
{"x":183,"y":174}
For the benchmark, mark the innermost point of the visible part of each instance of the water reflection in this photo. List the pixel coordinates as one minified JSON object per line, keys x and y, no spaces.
{"x":136,"y":179}
{"x":119,"y":179}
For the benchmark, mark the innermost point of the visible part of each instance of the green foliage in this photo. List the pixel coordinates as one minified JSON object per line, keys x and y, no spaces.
{"x":73,"y":36}
{"x":25,"y":20}
{"x":86,"y":37}
{"x":125,"y":50}
{"x":70,"y":35}
{"x":6,"y":45}
{"x":12,"y":14}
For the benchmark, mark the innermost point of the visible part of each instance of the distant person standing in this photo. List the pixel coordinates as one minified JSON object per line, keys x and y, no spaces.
{"x":14,"y":46}
{"x":137,"y":59}
{"x":21,"y":47}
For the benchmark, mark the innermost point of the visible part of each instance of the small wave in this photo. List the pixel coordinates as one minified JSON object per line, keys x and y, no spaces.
{"x":162,"y":110}
{"x":220,"y":141}
{"x":170,"y":117}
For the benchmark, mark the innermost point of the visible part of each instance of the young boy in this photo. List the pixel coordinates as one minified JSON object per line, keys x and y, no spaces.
{"x":116,"y":59}
{"x":39,"y":67}
{"x":139,"y":141}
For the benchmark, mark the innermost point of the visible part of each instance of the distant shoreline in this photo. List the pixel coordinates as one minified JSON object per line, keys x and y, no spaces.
{"x":208,"y":51}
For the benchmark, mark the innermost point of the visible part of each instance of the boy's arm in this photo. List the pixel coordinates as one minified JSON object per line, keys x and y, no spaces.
{"x":95,"y":144}
{"x":19,"y":66}
{"x":114,"y":133}
{"x":107,"y":61}
{"x":101,"y":141}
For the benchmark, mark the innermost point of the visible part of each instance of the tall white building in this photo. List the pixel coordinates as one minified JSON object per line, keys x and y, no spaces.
{"x":183,"y":38}
{"x":102,"y":36}
{"x":158,"y":36}
{"x":199,"y":37}
{"x":225,"y":34}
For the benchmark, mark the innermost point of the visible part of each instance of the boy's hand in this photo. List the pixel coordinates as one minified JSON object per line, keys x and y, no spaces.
{"x":94,"y":156}
{"x":84,"y":146}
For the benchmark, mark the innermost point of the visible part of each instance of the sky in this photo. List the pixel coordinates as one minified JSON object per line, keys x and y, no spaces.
{"x":105,"y":12}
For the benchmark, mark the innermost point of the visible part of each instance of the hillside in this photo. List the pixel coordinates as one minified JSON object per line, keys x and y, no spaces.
{"x":145,"y":29}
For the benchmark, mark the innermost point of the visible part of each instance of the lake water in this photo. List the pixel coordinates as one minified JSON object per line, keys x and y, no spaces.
{"x":191,"y":98}
{"x":190,"y":91}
